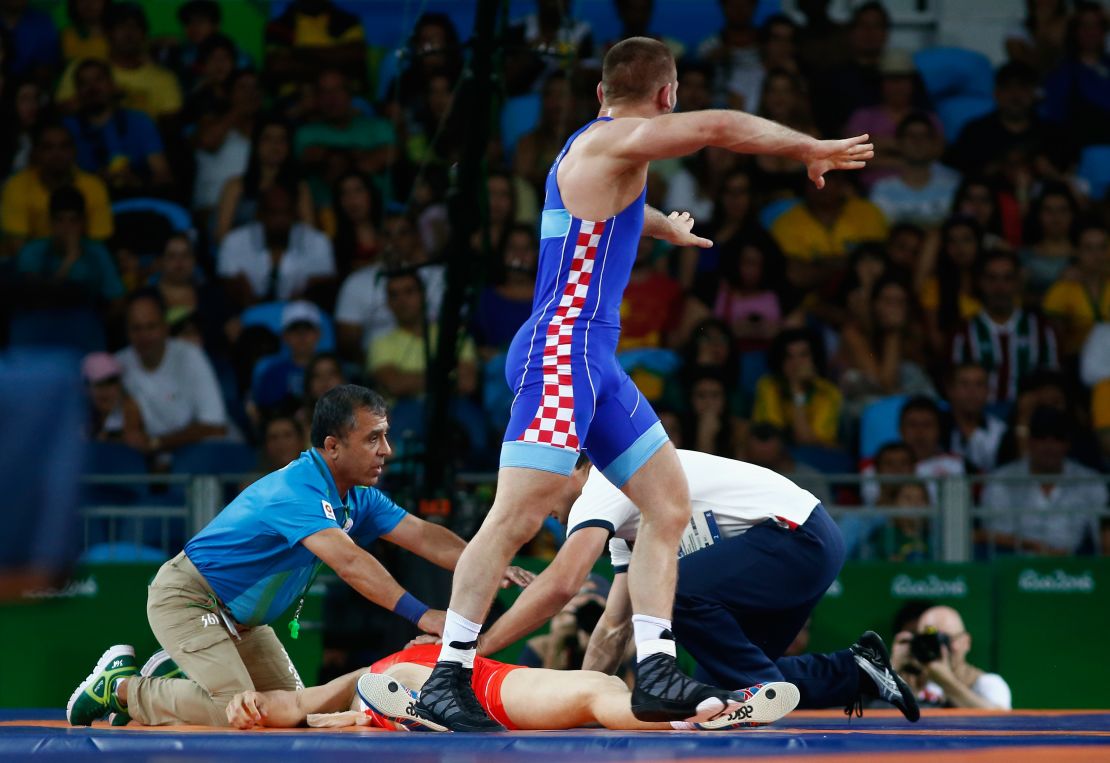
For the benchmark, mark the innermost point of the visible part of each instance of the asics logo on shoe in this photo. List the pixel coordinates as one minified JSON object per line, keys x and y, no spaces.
{"x":742,"y":713}
{"x":410,"y":709}
{"x":116,"y":664}
{"x":883,"y":680}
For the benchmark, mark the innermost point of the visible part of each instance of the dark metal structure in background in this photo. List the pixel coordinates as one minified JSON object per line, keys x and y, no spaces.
{"x":480,"y":93}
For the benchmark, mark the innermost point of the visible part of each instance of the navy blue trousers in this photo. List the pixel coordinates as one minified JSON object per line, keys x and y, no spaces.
{"x":740,"y":603}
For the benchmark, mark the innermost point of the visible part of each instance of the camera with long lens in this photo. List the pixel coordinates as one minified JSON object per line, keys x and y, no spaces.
{"x":926,"y":647}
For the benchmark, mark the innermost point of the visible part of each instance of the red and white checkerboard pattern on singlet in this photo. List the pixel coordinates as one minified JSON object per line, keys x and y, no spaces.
{"x":554,"y":421}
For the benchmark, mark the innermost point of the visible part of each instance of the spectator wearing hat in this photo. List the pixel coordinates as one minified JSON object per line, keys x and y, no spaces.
{"x":145,"y":85}
{"x":68,"y":265}
{"x":171,"y":380}
{"x":114,"y":416}
{"x":275,"y":258}
{"x":901,"y":94}
{"x":280,"y":378}
{"x":1064,"y":523}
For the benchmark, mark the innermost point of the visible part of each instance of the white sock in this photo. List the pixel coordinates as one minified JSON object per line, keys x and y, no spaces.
{"x":683,"y":726}
{"x":649,"y":640}
{"x":460,"y":639}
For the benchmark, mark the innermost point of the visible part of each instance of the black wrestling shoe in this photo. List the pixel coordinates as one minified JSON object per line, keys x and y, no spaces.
{"x":879,"y":680}
{"x":447,"y":699}
{"x":665,"y":693}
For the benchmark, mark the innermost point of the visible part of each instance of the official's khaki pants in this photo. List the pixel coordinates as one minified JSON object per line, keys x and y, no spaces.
{"x":218,"y":665}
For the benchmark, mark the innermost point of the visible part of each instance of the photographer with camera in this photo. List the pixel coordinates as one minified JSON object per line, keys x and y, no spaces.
{"x":564,"y":647}
{"x":934,"y":662}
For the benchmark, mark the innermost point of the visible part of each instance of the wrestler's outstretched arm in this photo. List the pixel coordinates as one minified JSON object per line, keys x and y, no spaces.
{"x":635,"y":141}
{"x":287,"y":709}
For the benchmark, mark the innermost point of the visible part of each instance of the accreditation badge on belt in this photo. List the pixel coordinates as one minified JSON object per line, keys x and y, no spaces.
{"x":701,"y":532}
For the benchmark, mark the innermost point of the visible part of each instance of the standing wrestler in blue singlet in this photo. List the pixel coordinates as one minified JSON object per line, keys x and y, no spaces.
{"x":570,"y":393}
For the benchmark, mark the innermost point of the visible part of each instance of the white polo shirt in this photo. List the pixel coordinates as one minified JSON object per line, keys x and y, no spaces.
{"x":362,"y":300}
{"x":244,"y":251}
{"x":182,"y":390}
{"x":728,"y":498}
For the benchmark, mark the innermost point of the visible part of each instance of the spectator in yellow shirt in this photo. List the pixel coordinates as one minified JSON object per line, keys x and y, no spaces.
{"x":145,"y":86}
{"x":1075,"y":303}
{"x":398,"y":358}
{"x":84,"y":36}
{"x":25,"y":200}
{"x":310,"y":36}
{"x":829,"y":222}
{"x":794,"y":396}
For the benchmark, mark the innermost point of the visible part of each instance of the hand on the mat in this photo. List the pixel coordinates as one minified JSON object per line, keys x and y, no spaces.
{"x":424,"y":638}
{"x":516,"y":576}
{"x":247,"y":709}
{"x":432,"y":621}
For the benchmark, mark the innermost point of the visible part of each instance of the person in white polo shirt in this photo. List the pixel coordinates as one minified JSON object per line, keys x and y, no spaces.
{"x":170,"y":379}
{"x":274,"y":258}
{"x":757,"y":556}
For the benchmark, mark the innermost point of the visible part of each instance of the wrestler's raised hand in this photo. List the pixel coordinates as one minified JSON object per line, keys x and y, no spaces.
{"x":828,"y":155}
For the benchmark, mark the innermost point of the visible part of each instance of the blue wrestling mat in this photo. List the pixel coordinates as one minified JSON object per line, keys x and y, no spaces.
{"x":1057,"y":736}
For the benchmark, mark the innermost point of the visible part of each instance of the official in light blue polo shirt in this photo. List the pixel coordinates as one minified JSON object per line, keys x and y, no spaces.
{"x":260,"y":554}
{"x":251,"y":553}
{"x":210,"y":607}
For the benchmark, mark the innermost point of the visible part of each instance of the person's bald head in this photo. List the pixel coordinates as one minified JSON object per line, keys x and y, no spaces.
{"x":947,"y":621}
{"x":637,"y":70}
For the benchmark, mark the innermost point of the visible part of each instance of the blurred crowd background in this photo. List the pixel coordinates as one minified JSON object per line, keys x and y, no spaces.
{"x":225,"y":235}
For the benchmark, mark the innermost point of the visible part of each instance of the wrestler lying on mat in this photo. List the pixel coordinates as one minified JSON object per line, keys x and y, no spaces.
{"x":518,"y":697}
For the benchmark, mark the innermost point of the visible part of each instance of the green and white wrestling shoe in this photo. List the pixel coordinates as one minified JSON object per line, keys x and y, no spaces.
{"x":160,"y":665}
{"x":96,"y":696}
{"x":764,"y":703}
{"x":388,"y":697}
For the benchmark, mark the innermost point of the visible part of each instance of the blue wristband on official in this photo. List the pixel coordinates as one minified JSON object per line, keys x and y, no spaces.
{"x":410,"y":608}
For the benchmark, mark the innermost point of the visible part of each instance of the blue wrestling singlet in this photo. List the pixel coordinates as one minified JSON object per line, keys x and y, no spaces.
{"x":570,"y":393}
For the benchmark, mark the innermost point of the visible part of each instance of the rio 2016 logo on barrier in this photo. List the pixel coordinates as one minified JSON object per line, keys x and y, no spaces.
{"x":904,"y":586}
{"x":1057,"y":581}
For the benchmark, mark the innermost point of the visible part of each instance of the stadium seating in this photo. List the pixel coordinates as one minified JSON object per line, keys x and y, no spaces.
{"x":78,"y":328}
{"x":956,"y":111}
{"x":215,"y":457}
{"x":949,"y":72}
{"x":1094,"y":167}
{"x":268,"y":316}
{"x":520,"y":115}
{"x":879,"y":424}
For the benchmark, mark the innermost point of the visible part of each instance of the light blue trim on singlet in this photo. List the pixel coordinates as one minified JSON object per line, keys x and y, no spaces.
{"x":534,"y":455}
{"x":554,"y":223}
{"x":628,"y":463}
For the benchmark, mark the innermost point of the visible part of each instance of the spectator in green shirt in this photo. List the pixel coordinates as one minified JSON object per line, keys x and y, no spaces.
{"x":69,"y":266}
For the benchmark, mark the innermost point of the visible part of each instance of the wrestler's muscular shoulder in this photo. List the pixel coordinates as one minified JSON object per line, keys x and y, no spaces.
{"x":594,"y":182}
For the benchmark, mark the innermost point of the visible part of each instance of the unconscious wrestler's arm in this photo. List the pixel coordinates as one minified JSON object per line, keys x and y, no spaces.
{"x":610,"y":636}
{"x":287,"y":709}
